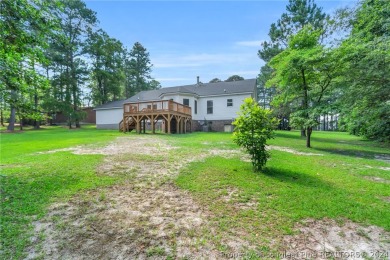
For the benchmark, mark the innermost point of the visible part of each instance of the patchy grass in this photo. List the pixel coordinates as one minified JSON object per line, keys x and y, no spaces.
{"x":256,"y":207}
{"x":30,"y":181}
{"x":265,"y":205}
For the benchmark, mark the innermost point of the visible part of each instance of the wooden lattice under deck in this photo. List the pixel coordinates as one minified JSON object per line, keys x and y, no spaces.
{"x":175,"y":117}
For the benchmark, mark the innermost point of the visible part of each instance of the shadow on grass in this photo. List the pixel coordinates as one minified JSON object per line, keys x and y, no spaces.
{"x":296,"y":178}
{"x":320,"y":139}
{"x":339,"y":146}
{"x":354,"y":153}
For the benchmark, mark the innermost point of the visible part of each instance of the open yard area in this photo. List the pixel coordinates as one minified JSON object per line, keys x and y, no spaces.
{"x":101,"y":194}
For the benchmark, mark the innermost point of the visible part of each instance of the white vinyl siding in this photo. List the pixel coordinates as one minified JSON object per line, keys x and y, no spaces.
{"x":220,"y":110}
{"x":109,"y":116}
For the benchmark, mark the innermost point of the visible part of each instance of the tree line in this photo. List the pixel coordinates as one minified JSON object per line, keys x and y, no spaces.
{"x":54,"y":58}
{"x":320,"y":64}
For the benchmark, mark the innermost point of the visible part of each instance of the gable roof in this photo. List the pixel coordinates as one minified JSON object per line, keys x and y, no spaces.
{"x":201,"y":90}
{"x":112,"y":104}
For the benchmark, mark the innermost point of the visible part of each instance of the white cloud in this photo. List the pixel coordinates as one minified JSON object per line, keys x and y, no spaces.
{"x":201,"y":59}
{"x":256,"y":43}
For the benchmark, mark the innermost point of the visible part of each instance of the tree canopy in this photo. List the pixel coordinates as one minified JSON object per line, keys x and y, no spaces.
{"x":54,"y":58}
{"x":316,"y":73}
{"x":234,"y":78}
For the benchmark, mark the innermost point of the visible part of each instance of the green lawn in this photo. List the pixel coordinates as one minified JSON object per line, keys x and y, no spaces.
{"x":30,"y":181}
{"x":290,"y":189}
{"x":294,"y":187}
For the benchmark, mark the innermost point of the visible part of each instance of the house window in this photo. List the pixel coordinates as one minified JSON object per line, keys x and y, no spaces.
{"x":196,"y":106}
{"x":230,"y":102}
{"x":209,"y":106}
{"x":186,"y":101}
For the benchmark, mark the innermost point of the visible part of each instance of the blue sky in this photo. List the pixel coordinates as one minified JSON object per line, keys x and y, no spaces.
{"x":185,"y":39}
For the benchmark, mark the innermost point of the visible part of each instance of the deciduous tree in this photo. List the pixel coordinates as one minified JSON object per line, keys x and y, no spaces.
{"x":215,"y":80}
{"x":365,"y":89}
{"x":299,"y":13}
{"x":107,"y":73}
{"x":24,"y":26}
{"x":253,"y":127}
{"x":303,"y":74}
{"x":234,"y":78}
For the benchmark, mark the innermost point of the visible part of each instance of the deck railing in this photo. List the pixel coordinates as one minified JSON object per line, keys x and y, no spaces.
{"x":156,"y":107}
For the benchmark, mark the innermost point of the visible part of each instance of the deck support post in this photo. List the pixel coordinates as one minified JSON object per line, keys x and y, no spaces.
{"x":153,"y":126}
{"x":138,"y":125}
{"x":137,"y":114}
{"x":169,"y":123}
{"x":177,"y":125}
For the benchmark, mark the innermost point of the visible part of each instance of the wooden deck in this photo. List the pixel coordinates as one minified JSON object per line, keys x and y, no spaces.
{"x":172,"y":116}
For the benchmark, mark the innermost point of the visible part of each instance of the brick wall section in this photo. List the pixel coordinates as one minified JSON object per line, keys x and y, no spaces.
{"x":90,"y":116}
{"x":196,"y":126}
{"x":214,"y":125}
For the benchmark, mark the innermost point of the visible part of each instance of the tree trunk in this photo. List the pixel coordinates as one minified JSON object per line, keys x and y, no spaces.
{"x":327,"y":122}
{"x":74,"y":89}
{"x":20,"y":123}
{"x":323,"y":128}
{"x":70,"y":122}
{"x":305,"y":101}
{"x":11,"y":125}
{"x":1,"y":117}
{"x":309,"y":130}
{"x":75,"y":108}
{"x":303,"y":132}
{"x":331,"y":122}
{"x":36,"y":122}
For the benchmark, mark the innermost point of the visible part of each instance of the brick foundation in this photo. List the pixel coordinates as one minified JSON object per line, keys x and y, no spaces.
{"x":213,"y":125}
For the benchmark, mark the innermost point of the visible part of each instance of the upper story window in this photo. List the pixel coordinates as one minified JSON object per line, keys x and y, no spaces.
{"x":186,"y":102}
{"x":209,"y":106}
{"x":230,"y":102}
{"x":196,"y":107}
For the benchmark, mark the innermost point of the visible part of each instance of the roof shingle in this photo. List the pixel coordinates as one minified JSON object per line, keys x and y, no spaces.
{"x":205,"y":89}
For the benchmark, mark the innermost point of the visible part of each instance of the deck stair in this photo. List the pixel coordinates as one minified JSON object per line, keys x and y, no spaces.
{"x":131,"y":125}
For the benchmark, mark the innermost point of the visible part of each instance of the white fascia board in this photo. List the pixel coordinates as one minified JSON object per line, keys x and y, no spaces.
{"x":228,"y":94}
{"x":96,"y":109}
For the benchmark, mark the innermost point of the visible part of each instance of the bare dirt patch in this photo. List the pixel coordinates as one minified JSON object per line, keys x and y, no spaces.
{"x":147,"y":216}
{"x":289,"y":150}
{"x":387,"y":199}
{"x":377,"y":179}
{"x":380,"y":167}
{"x":324,"y":239}
{"x":228,"y":154}
{"x":122,"y":145}
{"x":382,"y":157}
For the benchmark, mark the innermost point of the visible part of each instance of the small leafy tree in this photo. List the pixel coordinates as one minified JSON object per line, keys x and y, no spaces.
{"x":254,"y":125}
